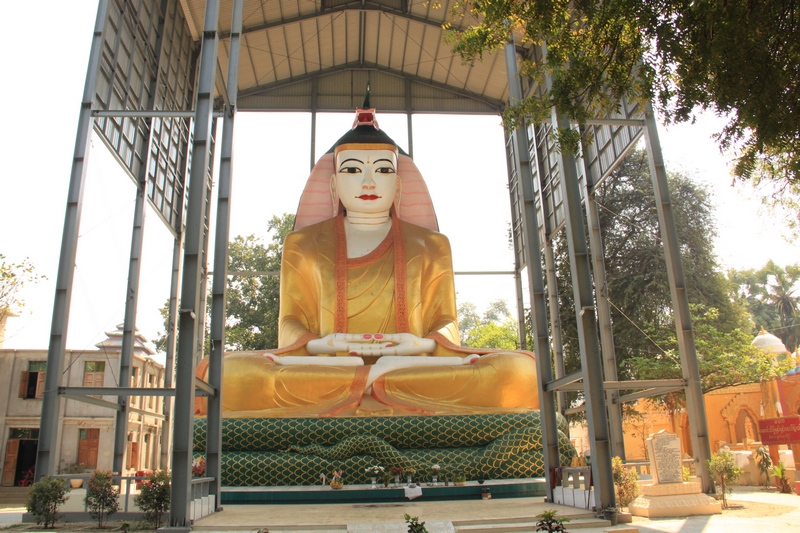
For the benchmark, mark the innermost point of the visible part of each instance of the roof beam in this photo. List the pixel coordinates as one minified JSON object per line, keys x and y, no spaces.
{"x":338,"y":9}
{"x":498,"y":105}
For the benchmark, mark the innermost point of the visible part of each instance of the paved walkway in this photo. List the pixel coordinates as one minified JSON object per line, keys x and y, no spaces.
{"x":763,"y":511}
{"x":778,"y":513}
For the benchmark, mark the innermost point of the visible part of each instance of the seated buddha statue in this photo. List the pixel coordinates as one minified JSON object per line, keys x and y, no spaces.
{"x":368,"y":322}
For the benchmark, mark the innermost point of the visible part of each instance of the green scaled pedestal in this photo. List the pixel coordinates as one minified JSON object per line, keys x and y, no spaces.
{"x":263,"y":452}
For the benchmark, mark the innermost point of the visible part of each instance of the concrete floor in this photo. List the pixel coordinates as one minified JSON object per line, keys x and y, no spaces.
{"x":388,"y":518}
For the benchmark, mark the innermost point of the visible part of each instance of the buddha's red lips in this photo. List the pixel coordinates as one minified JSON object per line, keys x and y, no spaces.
{"x":368,"y":197}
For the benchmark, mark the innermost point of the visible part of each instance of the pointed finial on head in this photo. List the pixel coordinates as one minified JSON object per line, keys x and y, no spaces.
{"x":366,"y":98}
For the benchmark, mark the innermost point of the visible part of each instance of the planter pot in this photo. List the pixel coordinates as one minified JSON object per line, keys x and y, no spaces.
{"x":76,"y":483}
{"x":336,"y":485}
{"x":460,"y":483}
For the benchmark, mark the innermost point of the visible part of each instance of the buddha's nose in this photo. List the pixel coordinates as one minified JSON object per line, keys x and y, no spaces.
{"x":368,"y":183}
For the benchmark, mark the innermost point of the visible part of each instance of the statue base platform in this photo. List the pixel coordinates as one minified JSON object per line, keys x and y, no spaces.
{"x":674,"y":499}
{"x":509,"y":488}
{"x":281,"y":452}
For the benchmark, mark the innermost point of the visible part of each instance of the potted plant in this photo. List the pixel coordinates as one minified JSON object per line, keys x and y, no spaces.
{"x":459,"y":479}
{"x":74,"y":468}
{"x":396,"y":471}
{"x":336,"y":479}
{"x":386,"y":477}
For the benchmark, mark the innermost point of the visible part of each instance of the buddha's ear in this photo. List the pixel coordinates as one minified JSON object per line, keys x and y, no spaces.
{"x":397,"y":196}
{"x":334,"y":195}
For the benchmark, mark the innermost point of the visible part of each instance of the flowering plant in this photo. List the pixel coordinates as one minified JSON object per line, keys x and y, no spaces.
{"x":396,"y":470}
{"x":374,"y":470}
{"x":336,"y":476}
{"x":199,"y":467}
{"x":436,"y":469}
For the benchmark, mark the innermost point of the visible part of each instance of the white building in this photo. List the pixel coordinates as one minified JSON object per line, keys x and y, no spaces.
{"x":86,"y":431}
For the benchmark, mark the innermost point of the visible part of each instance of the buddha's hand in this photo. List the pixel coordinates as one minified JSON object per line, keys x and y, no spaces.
{"x":371,"y":344}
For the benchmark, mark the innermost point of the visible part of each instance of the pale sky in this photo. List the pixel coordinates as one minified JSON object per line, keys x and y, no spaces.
{"x":461,"y":158}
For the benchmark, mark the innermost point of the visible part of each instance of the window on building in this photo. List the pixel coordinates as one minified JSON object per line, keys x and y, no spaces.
{"x":31,"y":383}
{"x":94,"y":373}
{"x":88,"y":445}
{"x":151,"y":402}
{"x":134,"y":384}
{"x":131,"y":453}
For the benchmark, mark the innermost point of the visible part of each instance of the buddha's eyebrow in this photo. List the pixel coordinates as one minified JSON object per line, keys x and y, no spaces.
{"x":379,"y":160}
{"x":351,"y":159}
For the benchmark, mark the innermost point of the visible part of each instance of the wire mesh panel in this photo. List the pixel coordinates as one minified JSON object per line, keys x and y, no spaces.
{"x":148,"y":57}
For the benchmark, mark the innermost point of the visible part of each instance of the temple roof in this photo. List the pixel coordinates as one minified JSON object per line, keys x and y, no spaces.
{"x":298,"y":55}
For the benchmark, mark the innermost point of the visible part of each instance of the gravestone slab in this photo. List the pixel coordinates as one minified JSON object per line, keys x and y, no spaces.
{"x":665,"y":457}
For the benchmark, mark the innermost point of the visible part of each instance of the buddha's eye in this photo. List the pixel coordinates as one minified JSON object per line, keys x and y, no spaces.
{"x":350,"y":170}
{"x":384,"y":170}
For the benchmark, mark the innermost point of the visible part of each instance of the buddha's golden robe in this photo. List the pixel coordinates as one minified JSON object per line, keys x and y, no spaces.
{"x":404,"y":285}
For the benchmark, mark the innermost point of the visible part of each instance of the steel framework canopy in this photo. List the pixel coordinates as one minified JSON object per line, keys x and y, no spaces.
{"x":301,"y":55}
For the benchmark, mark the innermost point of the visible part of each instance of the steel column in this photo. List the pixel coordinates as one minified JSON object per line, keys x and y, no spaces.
{"x":314,"y":104}
{"x":409,"y":111}
{"x":220,"y":282}
{"x":550,"y":275}
{"x":604,"y":316}
{"x":46,"y":455}
{"x":172,"y":335}
{"x":695,"y":407}
{"x":591,"y":361}
{"x":547,"y":405}
{"x":134,"y":269}
{"x":193,"y":271}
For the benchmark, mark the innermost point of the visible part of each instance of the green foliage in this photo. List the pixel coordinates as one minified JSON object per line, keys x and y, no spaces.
{"x":72,"y":468}
{"x":722,"y":467}
{"x":779,"y":471}
{"x":253,"y":299}
{"x":102,"y":498}
{"x":548,"y":521}
{"x":738,"y":59}
{"x":772,"y":295}
{"x":686,"y":474}
{"x":154,"y":497}
{"x":625,"y":481}
{"x":13,"y":278}
{"x":414,"y":525}
{"x":45,"y":497}
{"x":764,"y":461}
{"x":497,"y":328}
{"x":645,"y":341}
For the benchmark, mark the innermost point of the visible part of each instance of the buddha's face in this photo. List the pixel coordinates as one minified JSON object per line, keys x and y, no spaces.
{"x":366,"y":180}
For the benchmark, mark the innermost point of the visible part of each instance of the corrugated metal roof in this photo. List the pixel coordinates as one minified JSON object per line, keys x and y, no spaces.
{"x":398,"y":44}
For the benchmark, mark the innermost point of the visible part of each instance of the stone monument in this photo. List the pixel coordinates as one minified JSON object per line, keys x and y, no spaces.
{"x":669,"y":495}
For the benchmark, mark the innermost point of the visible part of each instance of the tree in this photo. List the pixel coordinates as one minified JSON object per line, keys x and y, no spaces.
{"x":154,"y":496}
{"x":772,"y":295}
{"x":102,"y":498}
{"x":254,"y":301}
{"x":45,"y":497}
{"x":723,"y":467}
{"x":13,"y":278}
{"x":497,"y":329}
{"x":636,"y":273}
{"x":253,"y":293}
{"x":738,"y":59}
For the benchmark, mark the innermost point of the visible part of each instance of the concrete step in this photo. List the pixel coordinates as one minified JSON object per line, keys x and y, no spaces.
{"x":14,"y":495}
{"x":524,"y":525}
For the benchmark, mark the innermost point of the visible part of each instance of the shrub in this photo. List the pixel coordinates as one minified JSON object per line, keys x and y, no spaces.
{"x":45,"y":497}
{"x":414,"y":525}
{"x":764,"y":463}
{"x":625,"y":480}
{"x":723,"y":468}
{"x":101,"y":496}
{"x":779,"y":471}
{"x":153,"y":498}
{"x":548,"y":521}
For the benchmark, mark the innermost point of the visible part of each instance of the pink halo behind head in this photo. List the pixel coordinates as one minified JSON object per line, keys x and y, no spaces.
{"x":316,"y":204}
